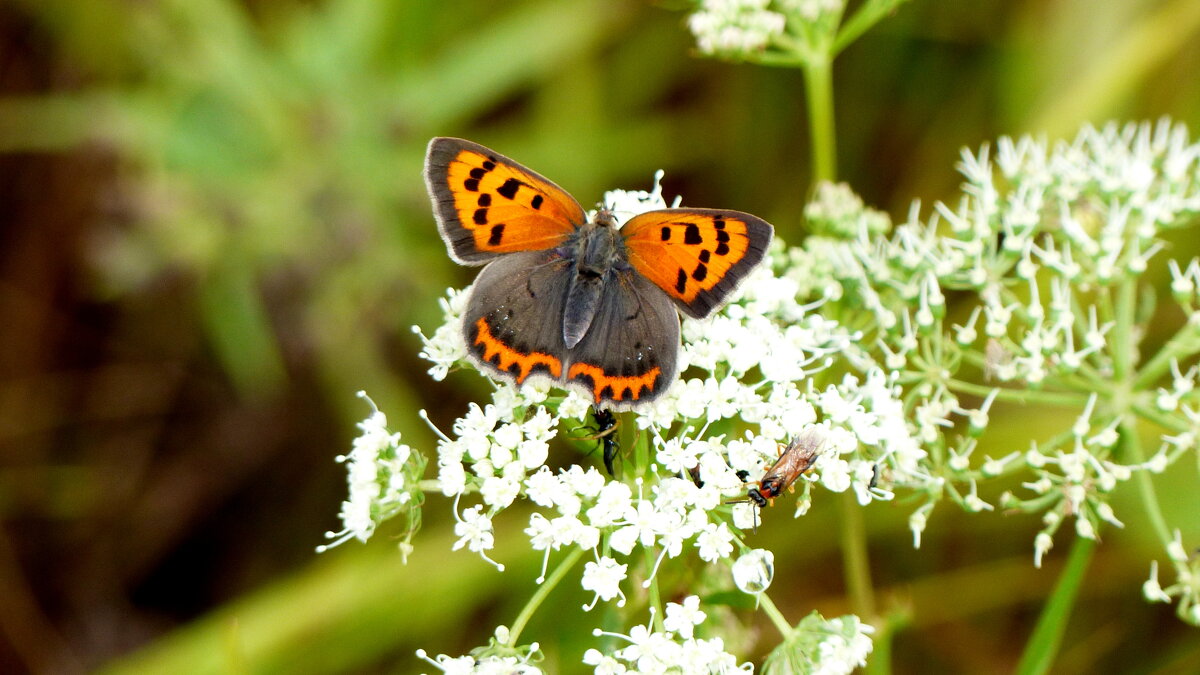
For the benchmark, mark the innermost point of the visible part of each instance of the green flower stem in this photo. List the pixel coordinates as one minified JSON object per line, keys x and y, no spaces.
{"x":543,"y":590}
{"x":430,"y":485}
{"x":869,"y":14}
{"x":857,"y":567}
{"x":1131,"y":452}
{"x":818,"y":84}
{"x":776,"y":616}
{"x":1047,"y":635}
{"x":641,"y":454}
{"x":655,"y":598}
{"x":1017,"y":395}
{"x":880,"y":662}
{"x":1183,"y":344}
{"x":1088,"y":383}
{"x":1165,"y":420}
{"x":1122,"y":332}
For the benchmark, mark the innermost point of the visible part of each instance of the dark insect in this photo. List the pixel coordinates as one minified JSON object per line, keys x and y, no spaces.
{"x":606,"y":427}
{"x":797,"y":458}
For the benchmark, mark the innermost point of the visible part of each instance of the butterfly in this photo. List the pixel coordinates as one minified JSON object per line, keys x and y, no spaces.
{"x":587,"y":303}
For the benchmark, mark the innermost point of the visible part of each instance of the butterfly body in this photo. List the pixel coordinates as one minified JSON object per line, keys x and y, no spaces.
{"x":585,"y":302}
{"x":597,"y":255}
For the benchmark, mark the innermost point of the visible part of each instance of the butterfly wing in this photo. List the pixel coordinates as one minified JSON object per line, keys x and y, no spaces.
{"x":629,"y":353}
{"x":698,"y":256}
{"x":486,"y":204}
{"x":513,"y":321}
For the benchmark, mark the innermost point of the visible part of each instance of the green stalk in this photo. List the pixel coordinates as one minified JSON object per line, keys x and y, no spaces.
{"x":539,"y":596}
{"x":855,"y":562}
{"x":776,"y":616}
{"x":1048,"y":633}
{"x":655,"y":598}
{"x":1183,"y":344}
{"x":880,"y":662}
{"x":1017,"y":395}
{"x":1132,"y":453}
{"x":1169,"y":422}
{"x":870,"y":13}
{"x":818,"y":84}
{"x":1122,"y":342}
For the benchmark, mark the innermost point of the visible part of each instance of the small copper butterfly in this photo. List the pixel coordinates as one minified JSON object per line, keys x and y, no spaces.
{"x":587,"y":303}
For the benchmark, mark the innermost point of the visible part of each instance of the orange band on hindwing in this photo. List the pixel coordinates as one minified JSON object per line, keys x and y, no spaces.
{"x":625,"y":388}
{"x":520,"y":365}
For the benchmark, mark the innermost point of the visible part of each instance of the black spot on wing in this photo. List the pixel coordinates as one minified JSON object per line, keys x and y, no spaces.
{"x":536,"y":202}
{"x":681,"y":282}
{"x":497,"y":235}
{"x":692,"y":236}
{"x":701,"y":272}
{"x":509,"y":189}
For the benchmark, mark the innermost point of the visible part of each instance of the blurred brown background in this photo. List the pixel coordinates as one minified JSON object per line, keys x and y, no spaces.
{"x":213,"y":231}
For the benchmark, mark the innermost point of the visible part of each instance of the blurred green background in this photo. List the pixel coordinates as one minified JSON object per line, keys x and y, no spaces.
{"x":213,"y":231}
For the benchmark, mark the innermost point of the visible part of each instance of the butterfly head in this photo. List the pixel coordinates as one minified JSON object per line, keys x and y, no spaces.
{"x":606,"y":218}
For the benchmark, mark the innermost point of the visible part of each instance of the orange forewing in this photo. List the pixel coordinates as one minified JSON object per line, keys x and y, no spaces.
{"x":696,"y":255}
{"x":487,"y":204}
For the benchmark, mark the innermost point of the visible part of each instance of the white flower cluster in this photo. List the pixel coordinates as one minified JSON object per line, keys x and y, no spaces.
{"x":497,"y":658}
{"x":1045,"y":252}
{"x":746,"y":28}
{"x":1186,"y":587}
{"x":659,"y":652}
{"x":383,"y":476}
{"x":819,"y":646}
{"x":735,"y":26}
{"x":811,"y":9}
{"x":846,"y":648}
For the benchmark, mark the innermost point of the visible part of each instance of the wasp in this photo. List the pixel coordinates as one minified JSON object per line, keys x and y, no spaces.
{"x":795,"y":459}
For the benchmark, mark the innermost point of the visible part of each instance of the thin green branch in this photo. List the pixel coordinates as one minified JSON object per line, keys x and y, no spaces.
{"x":781,"y":623}
{"x":1015,"y":395}
{"x":1183,"y":344}
{"x":1132,"y":453}
{"x":869,"y":14}
{"x":1047,"y":636}
{"x":1165,"y":420}
{"x":655,"y":597}
{"x":779,"y":59}
{"x":539,"y":596}
{"x":1122,"y":332}
{"x":855,"y":559}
